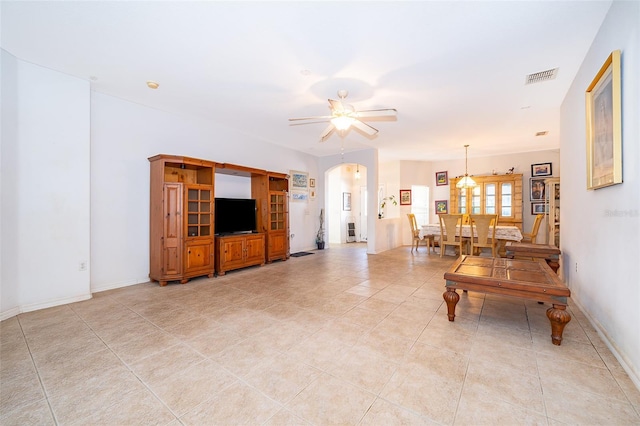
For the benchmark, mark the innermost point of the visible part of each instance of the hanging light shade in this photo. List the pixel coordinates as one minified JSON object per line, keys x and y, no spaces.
{"x":357,"y":171}
{"x":466,"y":181}
{"x":342,"y":122}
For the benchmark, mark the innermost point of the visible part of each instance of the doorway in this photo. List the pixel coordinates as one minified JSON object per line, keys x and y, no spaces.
{"x":346,"y":196}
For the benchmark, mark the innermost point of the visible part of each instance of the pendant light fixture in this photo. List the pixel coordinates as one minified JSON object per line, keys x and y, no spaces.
{"x":357,"y":171}
{"x":466,"y":181}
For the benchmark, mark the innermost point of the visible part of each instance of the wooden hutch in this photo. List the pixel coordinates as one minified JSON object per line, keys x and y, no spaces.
{"x":183,"y":245}
{"x":181,"y":218}
{"x":493,"y":194}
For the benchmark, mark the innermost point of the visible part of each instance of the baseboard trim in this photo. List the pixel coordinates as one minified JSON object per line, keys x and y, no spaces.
{"x":602,"y":332}
{"x":9,"y":313}
{"x":42,"y":305}
{"x":113,"y":286}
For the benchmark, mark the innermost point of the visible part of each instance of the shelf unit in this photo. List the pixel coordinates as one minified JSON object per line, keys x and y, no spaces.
{"x":552,"y":210}
{"x":273,"y":218}
{"x":182,"y":233}
{"x":181,"y":245}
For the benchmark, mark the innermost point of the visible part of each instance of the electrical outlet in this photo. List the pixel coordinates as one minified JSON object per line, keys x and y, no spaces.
{"x":82,"y":266}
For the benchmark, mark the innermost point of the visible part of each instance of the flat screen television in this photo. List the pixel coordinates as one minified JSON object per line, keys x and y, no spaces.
{"x":235,"y":215}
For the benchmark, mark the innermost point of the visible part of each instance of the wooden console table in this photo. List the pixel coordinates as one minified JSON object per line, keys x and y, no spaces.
{"x":527,"y":279}
{"x":535,"y":251}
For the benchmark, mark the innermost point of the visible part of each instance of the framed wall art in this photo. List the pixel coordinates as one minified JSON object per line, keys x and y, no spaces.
{"x":299,"y":186}
{"x":299,"y":180}
{"x":604,"y":125}
{"x":541,"y":169}
{"x":442,"y":178}
{"x":405,"y":197}
{"x":536,"y":189}
{"x":346,"y":201}
{"x":442,"y":206}
{"x":539,"y":208}
{"x":312,"y":183}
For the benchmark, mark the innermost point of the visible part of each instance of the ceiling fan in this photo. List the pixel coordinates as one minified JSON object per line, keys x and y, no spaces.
{"x":343,"y":116}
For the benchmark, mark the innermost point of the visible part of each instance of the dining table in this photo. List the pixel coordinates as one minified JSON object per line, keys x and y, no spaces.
{"x":504,"y":233}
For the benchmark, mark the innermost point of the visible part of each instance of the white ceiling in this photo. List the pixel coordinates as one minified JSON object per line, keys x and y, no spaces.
{"x":455,"y":71}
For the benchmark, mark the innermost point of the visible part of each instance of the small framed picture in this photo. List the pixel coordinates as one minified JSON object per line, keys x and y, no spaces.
{"x":405,"y":197}
{"x":541,"y":169}
{"x":442,"y":206}
{"x":346,"y":201}
{"x":442,"y":178}
{"x":538,"y":208}
{"x":312,"y":182}
{"x":536,"y":189}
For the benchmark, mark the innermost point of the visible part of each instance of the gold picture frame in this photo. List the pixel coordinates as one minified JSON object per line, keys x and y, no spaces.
{"x":604,"y":125}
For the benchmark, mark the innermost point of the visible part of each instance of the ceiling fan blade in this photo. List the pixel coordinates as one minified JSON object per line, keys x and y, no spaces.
{"x":319,"y":117}
{"x":336,"y":106}
{"x":387,"y":112}
{"x":327,"y":132}
{"x":364,"y":127}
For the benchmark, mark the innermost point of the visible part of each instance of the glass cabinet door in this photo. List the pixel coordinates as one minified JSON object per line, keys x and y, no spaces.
{"x":199,"y":212}
{"x":277,"y":211}
{"x":506,"y":200}
{"x":490,"y":198}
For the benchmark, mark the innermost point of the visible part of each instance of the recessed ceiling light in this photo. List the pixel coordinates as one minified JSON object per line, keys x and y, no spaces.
{"x":152,"y":85}
{"x":544,"y":133}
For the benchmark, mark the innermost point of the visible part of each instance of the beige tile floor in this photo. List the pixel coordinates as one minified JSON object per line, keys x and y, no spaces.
{"x":338,"y":337}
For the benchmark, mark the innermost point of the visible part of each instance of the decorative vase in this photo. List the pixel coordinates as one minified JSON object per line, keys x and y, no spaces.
{"x":320,"y":245}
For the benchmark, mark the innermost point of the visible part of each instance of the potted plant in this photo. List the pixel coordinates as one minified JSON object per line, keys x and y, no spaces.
{"x":383,"y":203}
{"x":320,"y":234}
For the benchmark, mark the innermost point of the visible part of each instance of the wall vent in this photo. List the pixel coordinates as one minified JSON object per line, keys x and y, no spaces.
{"x":544,"y":133}
{"x":541,"y":76}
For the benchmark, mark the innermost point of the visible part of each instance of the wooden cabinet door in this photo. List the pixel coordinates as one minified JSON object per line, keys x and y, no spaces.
{"x":254,"y":249}
{"x":277,"y":245}
{"x":172,"y":238}
{"x":199,"y":256}
{"x":231,"y":253}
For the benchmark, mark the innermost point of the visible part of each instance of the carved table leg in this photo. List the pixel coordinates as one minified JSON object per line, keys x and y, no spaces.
{"x":451,"y":297}
{"x":559,"y":317}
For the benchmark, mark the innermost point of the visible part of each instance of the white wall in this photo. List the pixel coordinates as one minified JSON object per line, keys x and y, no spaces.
{"x":9,"y":293}
{"x":600,"y":233}
{"x":45,"y":196}
{"x":415,"y":173}
{"x":123,"y":136}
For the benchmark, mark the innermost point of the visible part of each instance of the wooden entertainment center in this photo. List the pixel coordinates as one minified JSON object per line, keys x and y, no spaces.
{"x":183,"y":244}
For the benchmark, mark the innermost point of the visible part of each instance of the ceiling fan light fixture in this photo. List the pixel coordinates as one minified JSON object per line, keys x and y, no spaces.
{"x":466,"y":181}
{"x":342,"y":122}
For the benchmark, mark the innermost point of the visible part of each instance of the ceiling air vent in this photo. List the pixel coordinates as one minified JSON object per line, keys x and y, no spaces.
{"x":541,"y":76}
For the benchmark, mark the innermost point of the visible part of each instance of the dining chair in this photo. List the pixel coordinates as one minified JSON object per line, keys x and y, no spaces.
{"x":483,"y":233}
{"x":415,"y":235}
{"x":531,"y":236}
{"x":450,"y":232}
